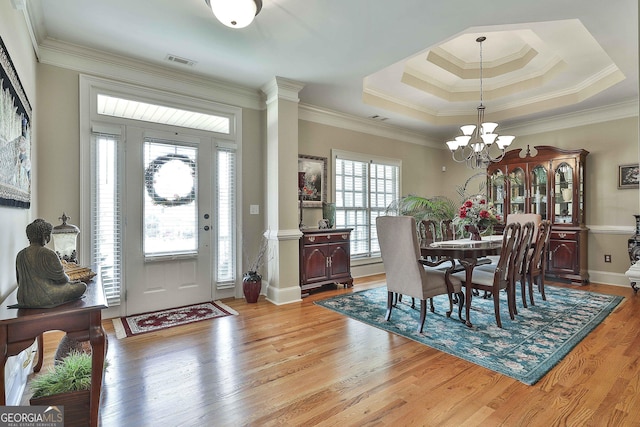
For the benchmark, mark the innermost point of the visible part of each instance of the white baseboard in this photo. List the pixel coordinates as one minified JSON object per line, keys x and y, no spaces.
{"x":609,"y":278}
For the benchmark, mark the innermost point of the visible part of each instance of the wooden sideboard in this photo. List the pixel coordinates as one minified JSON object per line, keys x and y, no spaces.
{"x":325,"y":258}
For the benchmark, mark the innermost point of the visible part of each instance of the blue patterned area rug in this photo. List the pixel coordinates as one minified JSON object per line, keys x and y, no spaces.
{"x":525,"y":349}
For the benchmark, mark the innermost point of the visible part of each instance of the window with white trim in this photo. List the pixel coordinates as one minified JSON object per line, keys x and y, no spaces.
{"x":363,"y":188}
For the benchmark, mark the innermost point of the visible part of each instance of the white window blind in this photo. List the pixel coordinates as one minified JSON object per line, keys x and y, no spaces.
{"x":226,"y":214}
{"x":363,"y":189}
{"x":106,"y":228}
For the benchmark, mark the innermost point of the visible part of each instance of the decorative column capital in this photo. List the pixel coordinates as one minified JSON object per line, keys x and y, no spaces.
{"x":281,"y":88}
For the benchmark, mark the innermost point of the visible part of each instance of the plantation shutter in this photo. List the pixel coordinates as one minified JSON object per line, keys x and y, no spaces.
{"x":226,"y":212}
{"x":106,"y":228}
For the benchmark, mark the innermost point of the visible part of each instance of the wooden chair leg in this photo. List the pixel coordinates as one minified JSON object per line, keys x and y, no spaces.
{"x":496,"y":307}
{"x":390,"y":299}
{"x":531,"y":278}
{"x":431,"y":307}
{"x":423,"y":314}
{"x":541,"y":285}
{"x":523,"y":287}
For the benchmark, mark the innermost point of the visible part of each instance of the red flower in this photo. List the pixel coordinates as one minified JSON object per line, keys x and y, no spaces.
{"x":484,"y":214}
{"x":463,"y":213}
{"x":468,"y":204}
{"x":483,"y":202}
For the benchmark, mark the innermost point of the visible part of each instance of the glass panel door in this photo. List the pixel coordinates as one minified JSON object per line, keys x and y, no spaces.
{"x":497,"y":192}
{"x":563,"y":194}
{"x":538,"y":191}
{"x":517,"y":191}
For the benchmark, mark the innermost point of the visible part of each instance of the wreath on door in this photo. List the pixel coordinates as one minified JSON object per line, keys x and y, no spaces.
{"x":150,"y":180}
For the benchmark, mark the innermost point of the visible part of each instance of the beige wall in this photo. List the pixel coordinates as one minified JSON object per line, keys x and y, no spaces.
{"x":13,"y":220}
{"x":58,"y":158}
{"x":421,"y":166}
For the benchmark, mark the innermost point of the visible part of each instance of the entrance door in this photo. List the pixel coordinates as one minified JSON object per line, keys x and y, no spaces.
{"x":168,"y":224}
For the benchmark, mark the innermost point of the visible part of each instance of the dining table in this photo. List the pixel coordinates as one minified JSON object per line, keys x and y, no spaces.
{"x":467,"y":252}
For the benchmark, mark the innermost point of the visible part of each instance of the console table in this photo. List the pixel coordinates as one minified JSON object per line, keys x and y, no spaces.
{"x":325,"y":257}
{"x":81,"y":320}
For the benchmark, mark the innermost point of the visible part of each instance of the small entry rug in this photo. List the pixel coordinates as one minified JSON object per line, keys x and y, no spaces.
{"x":524,"y":349}
{"x":150,"y":322}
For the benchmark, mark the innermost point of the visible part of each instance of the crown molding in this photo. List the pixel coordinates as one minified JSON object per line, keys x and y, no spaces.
{"x":337,"y":119}
{"x":103,"y":64}
{"x":591,"y":116}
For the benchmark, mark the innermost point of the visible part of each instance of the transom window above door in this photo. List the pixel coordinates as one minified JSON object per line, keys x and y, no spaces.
{"x":136,"y":110}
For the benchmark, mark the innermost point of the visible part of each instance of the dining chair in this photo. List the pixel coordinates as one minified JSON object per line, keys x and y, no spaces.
{"x":428,"y":233}
{"x":522,"y":257}
{"x":408,"y":274}
{"x":448,"y":230}
{"x":535,"y":268}
{"x":501,"y":277}
{"x":524,"y":218}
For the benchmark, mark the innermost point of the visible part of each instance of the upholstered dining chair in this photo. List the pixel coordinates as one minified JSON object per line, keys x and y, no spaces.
{"x":524,"y":218}
{"x":535,"y":268}
{"x":406,"y":272}
{"x":501,"y":277}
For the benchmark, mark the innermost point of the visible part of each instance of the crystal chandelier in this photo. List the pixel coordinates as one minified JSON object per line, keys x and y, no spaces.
{"x":474,"y":145}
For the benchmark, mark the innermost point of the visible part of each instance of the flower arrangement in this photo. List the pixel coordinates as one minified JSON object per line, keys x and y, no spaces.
{"x":477,"y":211}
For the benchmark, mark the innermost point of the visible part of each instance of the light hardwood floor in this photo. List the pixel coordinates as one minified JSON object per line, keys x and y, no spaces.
{"x":303,"y":365}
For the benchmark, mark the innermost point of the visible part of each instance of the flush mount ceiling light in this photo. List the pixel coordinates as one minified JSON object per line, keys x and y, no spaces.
{"x":473,"y":147}
{"x":235,"y":13}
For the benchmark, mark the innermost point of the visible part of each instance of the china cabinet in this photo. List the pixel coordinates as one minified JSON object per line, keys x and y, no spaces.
{"x":325,"y":257}
{"x":549,"y":182}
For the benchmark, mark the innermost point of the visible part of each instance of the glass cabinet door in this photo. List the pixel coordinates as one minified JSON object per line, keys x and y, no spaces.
{"x":563,"y":194}
{"x":497,"y":192}
{"x":517,"y":194}
{"x":538,"y":191}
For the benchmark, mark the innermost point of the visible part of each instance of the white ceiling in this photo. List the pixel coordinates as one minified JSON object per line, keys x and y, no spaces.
{"x":412,"y":62}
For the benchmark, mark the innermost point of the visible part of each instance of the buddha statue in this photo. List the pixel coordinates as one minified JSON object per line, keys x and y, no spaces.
{"x":42,"y":282}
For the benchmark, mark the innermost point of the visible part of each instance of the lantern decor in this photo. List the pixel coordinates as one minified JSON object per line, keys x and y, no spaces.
{"x":64,"y":238}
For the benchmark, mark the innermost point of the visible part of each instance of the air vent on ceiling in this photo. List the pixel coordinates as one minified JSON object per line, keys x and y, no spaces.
{"x":179,"y":60}
{"x":378,"y":118}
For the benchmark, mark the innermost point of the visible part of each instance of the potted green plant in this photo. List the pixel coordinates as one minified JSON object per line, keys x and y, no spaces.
{"x":67,"y":384}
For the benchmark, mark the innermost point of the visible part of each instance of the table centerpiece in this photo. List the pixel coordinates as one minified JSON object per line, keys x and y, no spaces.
{"x":477,"y":215}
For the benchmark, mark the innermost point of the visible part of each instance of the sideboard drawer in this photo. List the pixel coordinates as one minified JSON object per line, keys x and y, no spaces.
{"x":563,"y":235}
{"x":316,"y":239}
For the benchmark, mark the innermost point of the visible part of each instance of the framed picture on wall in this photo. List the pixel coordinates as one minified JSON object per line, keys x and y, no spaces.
{"x":314,"y":191}
{"x":15,"y":136}
{"x":628,"y":176}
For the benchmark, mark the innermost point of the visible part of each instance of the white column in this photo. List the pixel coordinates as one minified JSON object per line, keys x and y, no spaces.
{"x":282,"y":190}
